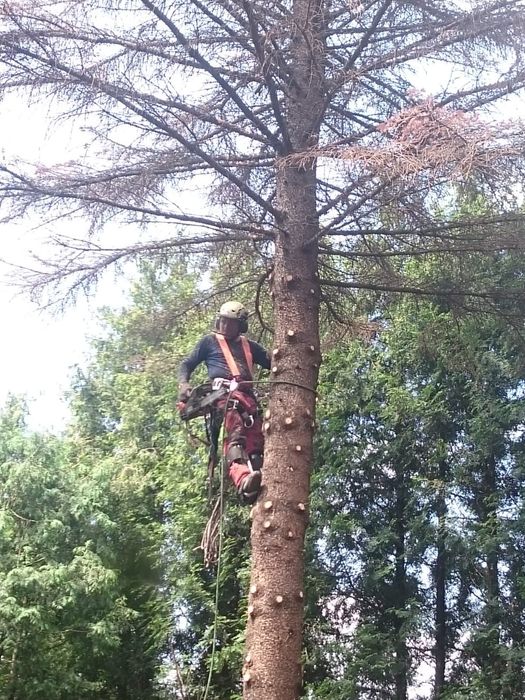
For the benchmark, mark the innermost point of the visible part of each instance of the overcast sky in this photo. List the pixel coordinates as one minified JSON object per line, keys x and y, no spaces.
{"x":36,"y":355}
{"x":40,"y":347}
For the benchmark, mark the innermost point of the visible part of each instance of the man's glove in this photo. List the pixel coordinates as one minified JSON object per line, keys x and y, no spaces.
{"x":184,"y":391}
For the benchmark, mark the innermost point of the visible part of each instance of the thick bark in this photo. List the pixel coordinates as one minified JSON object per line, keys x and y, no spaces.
{"x":440,"y":577}
{"x":276,"y":593}
{"x":275,"y":610}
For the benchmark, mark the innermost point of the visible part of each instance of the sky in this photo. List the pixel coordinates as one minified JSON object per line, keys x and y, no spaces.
{"x":42,"y":346}
{"x":37,"y":355}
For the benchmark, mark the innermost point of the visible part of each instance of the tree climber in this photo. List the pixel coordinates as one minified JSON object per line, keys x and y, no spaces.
{"x":229,"y":356}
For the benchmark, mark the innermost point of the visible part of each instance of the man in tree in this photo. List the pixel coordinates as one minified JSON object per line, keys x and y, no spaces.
{"x":229,"y":357}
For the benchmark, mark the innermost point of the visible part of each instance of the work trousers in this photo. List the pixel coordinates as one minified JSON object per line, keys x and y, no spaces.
{"x":243,"y":440}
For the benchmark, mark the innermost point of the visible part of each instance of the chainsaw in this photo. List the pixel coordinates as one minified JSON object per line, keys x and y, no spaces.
{"x":200,"y":400}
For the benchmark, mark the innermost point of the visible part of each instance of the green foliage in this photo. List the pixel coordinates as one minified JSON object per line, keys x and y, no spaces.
{"x":61,"y":610}
{"x":434,"y":395}
{"x":103,"y":591}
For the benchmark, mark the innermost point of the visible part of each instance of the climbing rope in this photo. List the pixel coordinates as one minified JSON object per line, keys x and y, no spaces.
{"x":210,"y":540}
{"x":211,"y":543}
{"x":280,"y":381}
{"x":211,"y":537}
{"x":220,"y":508}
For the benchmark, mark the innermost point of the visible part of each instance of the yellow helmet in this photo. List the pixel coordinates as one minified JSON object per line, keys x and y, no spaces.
{"x":235,"y":310}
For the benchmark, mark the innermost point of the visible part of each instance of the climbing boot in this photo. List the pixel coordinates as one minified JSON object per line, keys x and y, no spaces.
{"x":250,"y":487}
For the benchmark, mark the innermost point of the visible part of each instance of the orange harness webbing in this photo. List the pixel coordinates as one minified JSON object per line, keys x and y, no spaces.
{"x":230,"y":360}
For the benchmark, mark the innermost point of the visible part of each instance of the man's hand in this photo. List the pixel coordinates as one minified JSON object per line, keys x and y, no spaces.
{"x":184,"y":391}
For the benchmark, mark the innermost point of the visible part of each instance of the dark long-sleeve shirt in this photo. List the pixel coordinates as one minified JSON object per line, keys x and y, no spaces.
{"x":208,"y":351}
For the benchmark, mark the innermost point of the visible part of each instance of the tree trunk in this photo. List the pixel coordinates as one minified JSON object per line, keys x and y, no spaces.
{"x":440,"y":578}
{"x":514,"y":686}
{"x":400,"y":590}
{"x":489,"y":649}
{"x":493,"y":609}
{"x":272,"y":669}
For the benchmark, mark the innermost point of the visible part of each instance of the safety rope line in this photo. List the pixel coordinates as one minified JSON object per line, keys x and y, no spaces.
{"x":282,"y":381}
{"x":270,"y":382}
{"x":217,"y":588}
{"x":219,"y":558}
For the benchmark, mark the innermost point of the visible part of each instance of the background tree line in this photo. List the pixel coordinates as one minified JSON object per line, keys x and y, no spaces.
{"x":415,"y":553}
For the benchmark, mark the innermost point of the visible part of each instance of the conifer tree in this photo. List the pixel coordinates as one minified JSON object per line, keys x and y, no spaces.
{"x":249,"y":100}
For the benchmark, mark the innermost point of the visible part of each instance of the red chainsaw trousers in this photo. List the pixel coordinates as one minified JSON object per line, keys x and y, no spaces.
{"x":242,"y":438}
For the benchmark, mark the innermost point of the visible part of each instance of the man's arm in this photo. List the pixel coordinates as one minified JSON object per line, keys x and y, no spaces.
{"x":187,"y":366}
{"x":260,"y":355}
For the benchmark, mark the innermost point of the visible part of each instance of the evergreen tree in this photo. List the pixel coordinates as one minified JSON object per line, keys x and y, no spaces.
{"x":62,"y":612}
{"x":419,"y":475}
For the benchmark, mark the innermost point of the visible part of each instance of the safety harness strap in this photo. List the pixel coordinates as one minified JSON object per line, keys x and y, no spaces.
{"x":247,"y":354}
{"x":230,"y":360}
